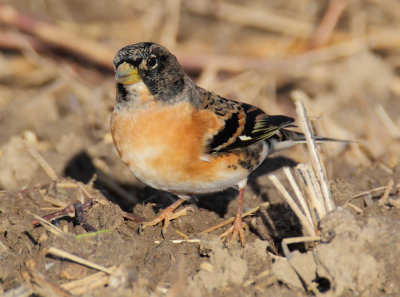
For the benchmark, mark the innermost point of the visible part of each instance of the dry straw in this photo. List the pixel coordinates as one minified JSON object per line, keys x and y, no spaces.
{"x":313,"y":197}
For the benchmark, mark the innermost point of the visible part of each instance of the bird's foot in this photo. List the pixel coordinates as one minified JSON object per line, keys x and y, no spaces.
{"x":237,"y":229}
{"x":167,"y":215}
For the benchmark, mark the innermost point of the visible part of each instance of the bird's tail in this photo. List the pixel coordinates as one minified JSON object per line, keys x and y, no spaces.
{"x":285,"y":139}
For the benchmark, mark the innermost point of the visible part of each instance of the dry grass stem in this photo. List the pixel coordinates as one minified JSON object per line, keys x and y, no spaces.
{"x":180,"y":233}
{"x":378,"y":189}
{"x":316,"y":206}
{"x":299,"y":194}
{"x":385,"y":195}
{"x":67,"y":185}
{"x":387,"y":121}
{"x":47,"y":225}
{"x":328,"y":23}
{"x":41,"y":161}
{"x":303,"y":219}
{"x":291,"y":240}
{"x":194,"y":240}
{"x":62,"y":254}
{"x":53,"y":201}
{"x":356,"y":208}
{"x":88,"y":283}
{"x":312,"y":149}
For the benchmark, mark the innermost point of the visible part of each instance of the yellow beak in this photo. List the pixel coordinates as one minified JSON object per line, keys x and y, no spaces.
{"x":126,"y":74}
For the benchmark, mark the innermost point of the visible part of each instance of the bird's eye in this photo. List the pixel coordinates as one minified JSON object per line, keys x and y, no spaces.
{"x":152,"y":62}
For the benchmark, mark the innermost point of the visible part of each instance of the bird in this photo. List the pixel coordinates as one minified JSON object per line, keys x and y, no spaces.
{"x":178,"y":137}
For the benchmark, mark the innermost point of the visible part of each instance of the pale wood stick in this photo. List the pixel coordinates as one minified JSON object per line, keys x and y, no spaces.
{"x":63,"y":254}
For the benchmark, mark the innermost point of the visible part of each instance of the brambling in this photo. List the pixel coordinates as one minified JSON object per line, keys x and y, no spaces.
{"x":180,"y":138}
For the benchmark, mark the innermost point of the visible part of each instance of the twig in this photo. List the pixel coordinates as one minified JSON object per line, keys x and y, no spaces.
{"x":356,"y":208}
{"x":62,"y":254}
{"x":180,"y":233}
{"x":46,"y":224}
{"x":328,"y":23}
{"x":371,"y":191}
{"x":385,"y":195}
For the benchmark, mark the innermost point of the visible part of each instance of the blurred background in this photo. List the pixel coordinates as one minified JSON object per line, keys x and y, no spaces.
{"x":57,"y":89}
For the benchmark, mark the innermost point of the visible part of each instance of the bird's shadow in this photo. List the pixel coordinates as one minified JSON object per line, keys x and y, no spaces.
{"x":81,"y":168}
{"x":218,"y":202}
{"x":279,"y":219}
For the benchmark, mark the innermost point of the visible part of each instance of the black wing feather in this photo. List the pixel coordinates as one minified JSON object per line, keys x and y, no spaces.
{"x":258,"y":126}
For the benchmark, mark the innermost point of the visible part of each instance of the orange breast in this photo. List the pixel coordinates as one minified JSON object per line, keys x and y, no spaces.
{"x":163,"y":146}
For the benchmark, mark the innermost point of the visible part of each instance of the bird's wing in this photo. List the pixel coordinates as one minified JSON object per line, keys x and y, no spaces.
{"x":244,"y":124}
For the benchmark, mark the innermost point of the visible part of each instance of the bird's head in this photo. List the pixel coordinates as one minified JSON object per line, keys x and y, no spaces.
{"x":153,"y":65}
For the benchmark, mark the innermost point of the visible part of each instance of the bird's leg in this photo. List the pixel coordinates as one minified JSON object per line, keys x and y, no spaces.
{"x":237,"y":228}
{"x":168,"y":214}
{"x":133,"y":217}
